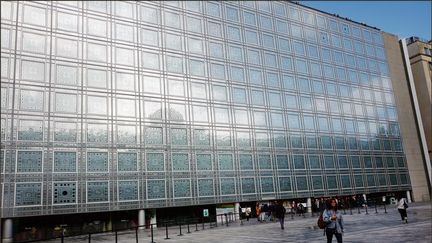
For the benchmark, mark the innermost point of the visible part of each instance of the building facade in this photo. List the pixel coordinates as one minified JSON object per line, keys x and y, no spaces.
{"x":417,"y":55}
{"x":109,"y":106}
{"x":420,"y":52}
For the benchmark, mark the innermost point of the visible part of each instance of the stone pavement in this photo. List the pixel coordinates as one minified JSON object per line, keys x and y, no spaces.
{"x":373,"y":227}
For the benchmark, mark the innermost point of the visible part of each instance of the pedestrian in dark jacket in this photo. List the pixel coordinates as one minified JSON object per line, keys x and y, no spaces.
{"x":280,"y":214}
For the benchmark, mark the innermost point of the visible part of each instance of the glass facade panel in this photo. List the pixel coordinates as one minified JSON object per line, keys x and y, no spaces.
{"x":215,"y":100}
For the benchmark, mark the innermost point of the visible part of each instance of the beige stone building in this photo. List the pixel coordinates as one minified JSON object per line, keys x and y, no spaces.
{"x":421,"y":66}
{"x":416,"y":120}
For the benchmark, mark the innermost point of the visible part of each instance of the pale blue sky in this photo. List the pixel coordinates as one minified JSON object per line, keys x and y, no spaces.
{"x":403,"y":18}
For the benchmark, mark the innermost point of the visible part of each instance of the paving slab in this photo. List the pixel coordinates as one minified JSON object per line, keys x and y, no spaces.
{"x":372,"y":227}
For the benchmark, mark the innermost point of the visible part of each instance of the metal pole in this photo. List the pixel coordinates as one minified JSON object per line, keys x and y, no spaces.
{"x":166,"y":231}
{"x":116,"y":240}
{"x":62,"y":238}
{"x":136,"y":234}
{"x":89,"y":239}
{"x":151,"y":230}
{"x":366,"y":206}
{"x":180,"y":234}
{"x":385,"y":210}
{"x":188,"y":229}
{"x":196,"y":226}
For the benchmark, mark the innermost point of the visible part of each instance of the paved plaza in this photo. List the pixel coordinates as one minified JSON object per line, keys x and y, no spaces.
{"x":373,"y":227}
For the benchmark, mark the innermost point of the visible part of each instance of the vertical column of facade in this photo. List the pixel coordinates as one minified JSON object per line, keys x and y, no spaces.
{"x":237,"y":211}
{"x":407,"y":122}
{"x":141,"y":218}
{"x":309,"y":205}
{"x":7,"y":230}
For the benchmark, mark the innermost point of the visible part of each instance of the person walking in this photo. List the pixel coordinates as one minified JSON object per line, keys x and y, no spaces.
{"x":265,"y":211}
{"x":258,"y":212}
{"x":300,"y":209}
{"x":333,"y":218}
{"x":402,"y":206}
{"x":248,"y":212}
{"x":280,"y":213}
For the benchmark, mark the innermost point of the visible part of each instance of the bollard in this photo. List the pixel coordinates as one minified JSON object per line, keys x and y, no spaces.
{"x":196,"y":226}
{"x":203,"y":224}
{"x":385,"y":210}
{"x":188,"y":229}
{"x":350,"y":210}
{"x":166,"y":231}
{"x":151,"y":231}
{"x":226,"y":219}
{"x":116,"y":237}
{"x":216,"y":221}
{"x":62,"y":238}
{"x":241,"y":221}
{"x":366,"y":207}
{"x":136,"y":235}
{"x":376,"y":211}
{"x":180,"y":234}
{"x":89,"y":240}
{"x":358,"y":209}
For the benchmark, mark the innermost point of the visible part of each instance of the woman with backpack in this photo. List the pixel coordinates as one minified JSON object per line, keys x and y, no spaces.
{"x":334,"y":221}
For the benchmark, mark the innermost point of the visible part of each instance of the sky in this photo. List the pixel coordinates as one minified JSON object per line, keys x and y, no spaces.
{"x":402,"y":18}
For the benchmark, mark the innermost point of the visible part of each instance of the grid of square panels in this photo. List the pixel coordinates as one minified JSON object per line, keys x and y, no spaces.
{"x":253,"y":98}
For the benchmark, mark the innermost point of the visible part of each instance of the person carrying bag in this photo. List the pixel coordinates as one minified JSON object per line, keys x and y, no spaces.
{"x":402,"y":206}
{"x":334,"y":222}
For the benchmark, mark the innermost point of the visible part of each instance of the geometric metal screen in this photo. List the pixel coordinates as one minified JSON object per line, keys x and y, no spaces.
{"x":28,"y":194}
{"x":156,"y":189}
{"x":223,"y":101}
{"x":64,"y":192}
{"x":248,"y":185}
{"x":29,"y":161}
{"x":205,"y":187}
{"x":97,"y":191}
{"x":127,"y":161}
{"x":64,"y":161}
{"x":97,"y":161}
{"x":128,"y":190}
{"x":182,"y":188}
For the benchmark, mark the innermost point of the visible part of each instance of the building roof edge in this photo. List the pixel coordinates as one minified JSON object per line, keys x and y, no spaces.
{"x":334,"y":15}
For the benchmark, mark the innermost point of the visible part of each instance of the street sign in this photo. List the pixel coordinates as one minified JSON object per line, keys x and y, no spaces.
{"x":205,"y":213}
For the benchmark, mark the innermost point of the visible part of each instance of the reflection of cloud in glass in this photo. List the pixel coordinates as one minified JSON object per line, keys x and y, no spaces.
{"x":175,"y":115}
